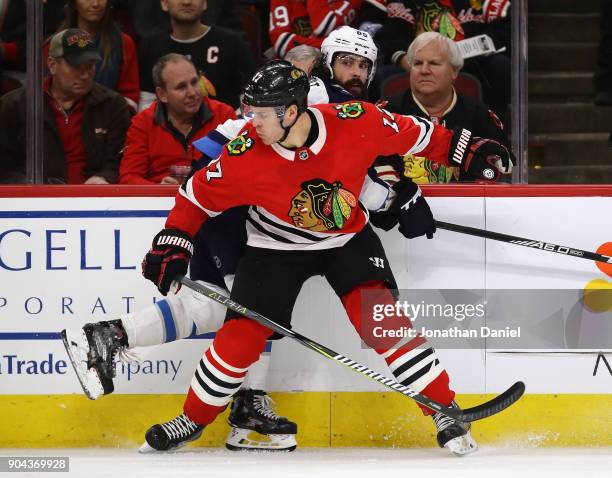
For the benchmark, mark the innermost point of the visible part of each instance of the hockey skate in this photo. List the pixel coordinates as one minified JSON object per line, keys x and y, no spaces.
{"x":171,"y":435}
{"x":251,"y":413}
{"x":454,"y":435}
{"x":92,"y":351}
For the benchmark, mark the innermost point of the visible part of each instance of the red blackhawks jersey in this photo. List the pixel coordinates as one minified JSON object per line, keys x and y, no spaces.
{"x":307,"y":22}
{"x":305,"y":199}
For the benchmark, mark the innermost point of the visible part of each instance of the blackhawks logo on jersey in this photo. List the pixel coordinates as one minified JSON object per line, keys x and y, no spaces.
{"x":239,"y":145}
{"x":350,"y":110}
{"x":322,"y":206}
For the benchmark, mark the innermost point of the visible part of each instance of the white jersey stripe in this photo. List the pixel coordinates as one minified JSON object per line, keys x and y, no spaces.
{"x":223,"y":363}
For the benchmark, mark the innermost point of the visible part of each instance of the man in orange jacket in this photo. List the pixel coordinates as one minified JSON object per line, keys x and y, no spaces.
{"x":161,"y":136}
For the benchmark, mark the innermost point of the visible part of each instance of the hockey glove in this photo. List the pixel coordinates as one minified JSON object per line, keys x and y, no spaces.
{"x":481,"y":158}
{"x":168,"y":257}
{"x":412,"y":211}
{"x":409,"y":209}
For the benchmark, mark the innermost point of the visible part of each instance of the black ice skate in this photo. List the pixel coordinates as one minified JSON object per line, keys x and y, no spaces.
{"x":92,"y":351}
{"x":454,"y":435}
{"x":171,"y":435}
{"x":252,"y":411}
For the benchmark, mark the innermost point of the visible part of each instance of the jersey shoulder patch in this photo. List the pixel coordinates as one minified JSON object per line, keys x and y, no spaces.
{"x":240,"y":144}
{"x":350,"y":110}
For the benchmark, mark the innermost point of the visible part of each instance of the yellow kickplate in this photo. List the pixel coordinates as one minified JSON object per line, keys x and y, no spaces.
{"x":338,"y":419}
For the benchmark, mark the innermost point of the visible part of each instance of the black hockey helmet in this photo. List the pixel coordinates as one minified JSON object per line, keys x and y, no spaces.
{"x":278,"y":84}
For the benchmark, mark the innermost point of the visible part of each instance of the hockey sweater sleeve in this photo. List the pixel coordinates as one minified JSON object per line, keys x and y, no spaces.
{"x":288,"y":19}
{"x":212,"y":144}
{"x":210,"y":191}
{"x":392,"y":133}
{"x":327,"y":15}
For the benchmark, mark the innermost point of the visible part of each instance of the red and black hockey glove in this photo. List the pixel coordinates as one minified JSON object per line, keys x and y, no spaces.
{"x":168,"y":257}
{"x":481,"y":158}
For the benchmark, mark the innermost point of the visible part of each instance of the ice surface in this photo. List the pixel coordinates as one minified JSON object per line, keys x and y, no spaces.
{"x":346,"y":462}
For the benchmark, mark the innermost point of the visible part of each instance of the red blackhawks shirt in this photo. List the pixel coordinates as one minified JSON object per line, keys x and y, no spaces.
{"x":305,"y":199}
{"x":307,"y":22}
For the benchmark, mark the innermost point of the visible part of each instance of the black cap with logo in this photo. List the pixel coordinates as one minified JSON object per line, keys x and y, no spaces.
{"x":73,"y":45}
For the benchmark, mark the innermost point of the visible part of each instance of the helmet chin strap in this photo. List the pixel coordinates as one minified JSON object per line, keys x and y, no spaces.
{"x":287,"y":129}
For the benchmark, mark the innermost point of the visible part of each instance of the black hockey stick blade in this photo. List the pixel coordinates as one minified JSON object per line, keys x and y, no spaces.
{"x":495,"y":405}
{"x":482,"y":411}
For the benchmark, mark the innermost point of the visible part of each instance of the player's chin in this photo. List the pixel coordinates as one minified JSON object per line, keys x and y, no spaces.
{"x":356,"y":91}
{"x":268,"y":139}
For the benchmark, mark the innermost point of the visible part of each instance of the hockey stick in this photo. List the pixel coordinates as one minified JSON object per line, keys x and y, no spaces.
{"x":479,"y":412}
{"x":521,"y":241}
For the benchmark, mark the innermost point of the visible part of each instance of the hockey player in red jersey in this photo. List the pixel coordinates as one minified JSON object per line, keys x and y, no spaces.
{"x":307,"y":22}
{"x":290,"y":165}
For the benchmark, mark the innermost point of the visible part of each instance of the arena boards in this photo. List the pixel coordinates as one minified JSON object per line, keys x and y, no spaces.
{"x":66,"y":260}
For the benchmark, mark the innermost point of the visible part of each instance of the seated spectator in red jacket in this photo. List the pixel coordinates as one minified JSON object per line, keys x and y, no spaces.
{"x":117,"y":67}
{"x":162,"y":135}
{"x":307,"y":22}
{"x":84,"y":123}
{"x":434,"y":63}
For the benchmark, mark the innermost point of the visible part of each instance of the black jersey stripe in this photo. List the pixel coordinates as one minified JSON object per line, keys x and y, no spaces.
{"x":282,"y":227}
{"x":265,"y":232}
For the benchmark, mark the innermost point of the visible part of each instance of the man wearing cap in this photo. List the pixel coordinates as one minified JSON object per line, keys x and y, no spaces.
{"x":84,"y":123}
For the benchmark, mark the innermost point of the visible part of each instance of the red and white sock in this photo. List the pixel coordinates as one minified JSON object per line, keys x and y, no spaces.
{"x":414,"y":364}
{"x":223,"y":367}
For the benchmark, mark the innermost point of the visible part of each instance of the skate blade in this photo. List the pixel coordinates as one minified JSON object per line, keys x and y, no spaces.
{"x":462,"y":446}
{"x":76,"y":346}
{"x":242,"y":439}
{"x":146,"y":448}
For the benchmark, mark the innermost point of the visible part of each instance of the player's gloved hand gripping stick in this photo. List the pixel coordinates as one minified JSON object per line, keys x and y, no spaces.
{"x":479,"y":412}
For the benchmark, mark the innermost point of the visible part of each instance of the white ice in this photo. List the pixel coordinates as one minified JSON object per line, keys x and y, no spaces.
{"x":334,"y":463}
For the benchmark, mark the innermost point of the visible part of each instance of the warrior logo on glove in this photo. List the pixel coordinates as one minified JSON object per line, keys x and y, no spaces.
{"x":168,"y":257}
{"x":481,"y":158}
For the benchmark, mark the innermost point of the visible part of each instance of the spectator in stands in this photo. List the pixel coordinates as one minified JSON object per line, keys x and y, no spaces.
{"x":84,"y":123}
{"x":117,"y":68}
{"x":457,"y":20}
{"x":434,"y":63}
{"x":12,"y":35}
{"x":603,"y":73}
{"x":149,"y":19}
{"x":221,"y":55}
{"x":13,"y":38}
{"x":161,"y":136}
{"x":307,"y":22}
{"x":305,"y":57}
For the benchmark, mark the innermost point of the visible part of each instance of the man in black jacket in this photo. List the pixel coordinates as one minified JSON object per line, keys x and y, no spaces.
{"x":434,"y":63}
{"x":84,"y":123}
{"x":220,"y":54}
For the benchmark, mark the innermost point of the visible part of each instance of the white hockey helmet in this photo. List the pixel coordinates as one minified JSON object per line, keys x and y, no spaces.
{"x":349,"y":40}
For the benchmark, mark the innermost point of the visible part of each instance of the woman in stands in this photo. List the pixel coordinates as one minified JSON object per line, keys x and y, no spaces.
{"x":118,"y":68}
